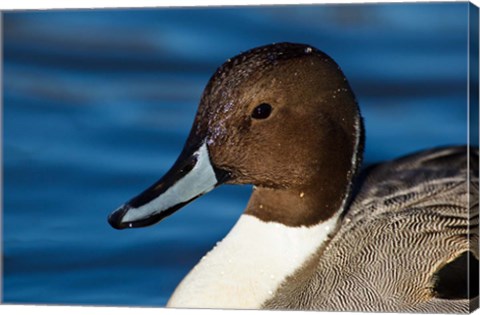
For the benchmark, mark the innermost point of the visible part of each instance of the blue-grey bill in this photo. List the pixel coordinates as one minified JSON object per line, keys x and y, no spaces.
{"x":190,"y":177}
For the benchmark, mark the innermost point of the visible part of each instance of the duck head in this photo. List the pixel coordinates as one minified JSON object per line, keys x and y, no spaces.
{"x":281,"y":117}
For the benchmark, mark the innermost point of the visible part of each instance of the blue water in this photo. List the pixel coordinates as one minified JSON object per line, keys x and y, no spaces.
{"x":97,"y":105}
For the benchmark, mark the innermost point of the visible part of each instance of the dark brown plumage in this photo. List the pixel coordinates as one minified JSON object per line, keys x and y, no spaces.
{"x":406,"y":236}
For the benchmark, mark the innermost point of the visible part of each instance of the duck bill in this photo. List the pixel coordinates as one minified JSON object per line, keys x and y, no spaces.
{"x":191,"y":176}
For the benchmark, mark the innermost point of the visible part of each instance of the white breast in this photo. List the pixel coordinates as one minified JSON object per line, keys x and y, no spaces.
{"x":246,"y":268}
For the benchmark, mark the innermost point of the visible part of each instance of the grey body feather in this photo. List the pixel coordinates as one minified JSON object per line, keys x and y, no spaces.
{"x":411,"y":217}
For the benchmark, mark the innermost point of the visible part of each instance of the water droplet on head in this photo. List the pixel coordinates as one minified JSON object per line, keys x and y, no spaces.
{"x":308,"y":50}
{"x":130,"y":225}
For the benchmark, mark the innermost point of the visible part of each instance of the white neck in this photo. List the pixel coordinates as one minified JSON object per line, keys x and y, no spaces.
{"x":247,"y":267}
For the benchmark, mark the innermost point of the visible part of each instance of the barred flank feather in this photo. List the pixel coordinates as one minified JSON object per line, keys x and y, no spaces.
{"x":404,"y":245}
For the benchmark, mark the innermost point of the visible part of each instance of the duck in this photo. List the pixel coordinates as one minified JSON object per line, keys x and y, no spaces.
{"x":319,"y":232}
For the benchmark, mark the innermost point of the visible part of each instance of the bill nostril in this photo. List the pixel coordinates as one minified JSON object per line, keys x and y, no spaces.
{"x":189,"y":165}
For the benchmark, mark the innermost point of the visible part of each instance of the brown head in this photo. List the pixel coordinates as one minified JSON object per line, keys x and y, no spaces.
{"x":281,"y":117}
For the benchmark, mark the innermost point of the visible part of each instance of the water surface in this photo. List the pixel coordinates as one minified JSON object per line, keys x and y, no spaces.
{"x":98,"y":104}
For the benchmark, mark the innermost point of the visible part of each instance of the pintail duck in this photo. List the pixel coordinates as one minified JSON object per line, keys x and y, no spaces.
{"x":316,"y":234}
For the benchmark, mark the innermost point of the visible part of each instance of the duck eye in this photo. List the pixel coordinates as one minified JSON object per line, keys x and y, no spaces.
{"x":262,"y":111}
